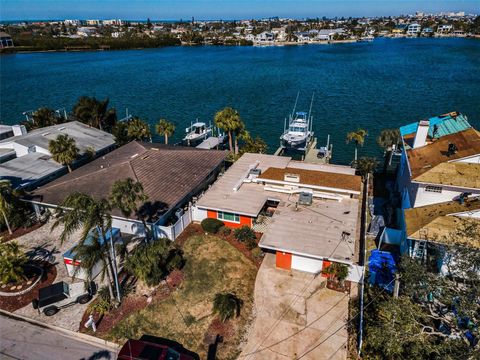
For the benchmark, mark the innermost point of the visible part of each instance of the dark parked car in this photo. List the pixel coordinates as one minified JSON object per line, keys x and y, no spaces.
{"x":60,"y":295}
{"x":152,"y":348}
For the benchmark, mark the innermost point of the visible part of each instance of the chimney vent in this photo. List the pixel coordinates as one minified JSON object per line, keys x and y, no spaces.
{"x":421,"y":135}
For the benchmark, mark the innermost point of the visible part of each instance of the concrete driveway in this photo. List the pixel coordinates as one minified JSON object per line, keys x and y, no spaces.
{"x":297,"y":317}
{"x":44,"y":238}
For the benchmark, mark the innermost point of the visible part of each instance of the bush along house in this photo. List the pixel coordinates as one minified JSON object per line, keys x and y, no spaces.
{"x":308,"y":213}
{"x":438,"y":180}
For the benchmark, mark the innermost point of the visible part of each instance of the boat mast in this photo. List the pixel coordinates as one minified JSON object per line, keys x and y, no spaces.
{"x":295,"y":106}
{"x":310,"y":123}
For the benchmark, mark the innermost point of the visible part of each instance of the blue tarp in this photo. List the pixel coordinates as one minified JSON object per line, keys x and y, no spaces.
{"x":382,"y":267}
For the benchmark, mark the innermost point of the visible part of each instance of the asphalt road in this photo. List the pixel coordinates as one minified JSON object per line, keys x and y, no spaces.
{"x":22,"y":340}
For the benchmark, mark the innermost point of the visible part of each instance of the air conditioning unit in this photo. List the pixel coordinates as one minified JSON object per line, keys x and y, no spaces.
{"x":305,"y":198}
{"x":255,"y":172}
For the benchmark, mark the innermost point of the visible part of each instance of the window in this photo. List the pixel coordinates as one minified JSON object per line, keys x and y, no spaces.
{"x":431,"y":188}
{"x":228,"y":216}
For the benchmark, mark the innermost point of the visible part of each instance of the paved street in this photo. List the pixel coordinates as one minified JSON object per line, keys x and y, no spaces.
{"x":22,"y":340}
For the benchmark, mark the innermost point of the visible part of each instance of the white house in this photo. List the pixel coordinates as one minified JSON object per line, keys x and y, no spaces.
{"x":414,"y":29}
{"x":444,"y":29}
{"x":265,"y":37}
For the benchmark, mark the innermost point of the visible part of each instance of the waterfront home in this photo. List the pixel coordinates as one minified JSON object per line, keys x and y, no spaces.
{"x":413,"y":29}
{"x":444,"y":29}
{"x":171,"y":176}
{"x":30,"y":163}
{"x":5,"y":40}
{"x":308,"y":213}
{"x":438,"y":179}
{"x":265,"y":37}
{"x":427,"y":31}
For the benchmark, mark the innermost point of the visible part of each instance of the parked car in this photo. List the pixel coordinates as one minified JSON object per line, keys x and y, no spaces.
{"x":153,"y":348}
{"x":61,"y":295}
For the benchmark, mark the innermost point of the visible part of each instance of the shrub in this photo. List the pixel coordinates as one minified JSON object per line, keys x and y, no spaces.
{"x":151,"y":262}
{"x":251,"y":243}
{"x":337,"y":270}
{"x":101,"y":306}
{"x":245,"y":234}
{"x":257,"y":252}
{"x":12,"y":260}
{"x":225,"y":231}
{"x":227,"y":305}
{"x":211,"y":225}
{"x":189,"y":320}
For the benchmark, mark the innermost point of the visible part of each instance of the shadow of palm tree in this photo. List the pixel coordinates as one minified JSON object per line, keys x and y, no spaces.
{"x":102,"y":354}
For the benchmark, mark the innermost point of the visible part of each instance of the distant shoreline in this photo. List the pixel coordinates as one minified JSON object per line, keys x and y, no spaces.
{"x":277,"y":43}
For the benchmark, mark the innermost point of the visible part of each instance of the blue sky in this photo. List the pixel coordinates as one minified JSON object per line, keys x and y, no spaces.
{"x":221,"y":9}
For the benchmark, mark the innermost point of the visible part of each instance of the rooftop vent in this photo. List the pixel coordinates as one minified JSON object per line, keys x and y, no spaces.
{"x":62,"y":128}
{"x":46,"y":133}
{"x":292,"y":178}
{"x":305,"y":198}
{"x":255,"y":172}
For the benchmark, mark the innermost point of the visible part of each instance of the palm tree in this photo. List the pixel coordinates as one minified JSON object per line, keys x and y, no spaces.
{"x":240,"y":133}
{"x":95,"y":113}
{"x":388,"y":138}
{"x":227,"y":305}
{"x":137,"y":129}
{"x":228,"y":120}
{"x":126,"y":195}
{"x":366,"y":165}
{"x":12,"y":261}
{"x":64,"y":150}
{"x":358,"y":137}
{"x":165,"y":128}
{"x":82,"y":212}
{"x":7,"y":198}
{"x":43,"y":117}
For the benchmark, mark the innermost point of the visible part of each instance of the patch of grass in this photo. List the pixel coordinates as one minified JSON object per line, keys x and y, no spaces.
{"x":212,"y":266}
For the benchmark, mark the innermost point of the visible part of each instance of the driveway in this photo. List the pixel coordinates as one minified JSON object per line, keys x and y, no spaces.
{"x":297,"y":317}
{"x":22,"y":340}
{"x":49,"y":242}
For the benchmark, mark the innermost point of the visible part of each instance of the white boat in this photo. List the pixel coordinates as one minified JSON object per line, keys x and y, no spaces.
{"x":298,"y":133}
{"x":367,"y":38}
{"x":197,"y":132}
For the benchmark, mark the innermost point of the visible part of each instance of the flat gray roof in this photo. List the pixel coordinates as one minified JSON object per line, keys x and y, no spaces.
{"x":249,"y":198}
{"x":28,"y":168}
{"x":84,"y":135}
{"x":325,"y":229}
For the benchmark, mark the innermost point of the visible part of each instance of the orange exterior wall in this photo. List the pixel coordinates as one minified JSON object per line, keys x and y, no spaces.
{"x":283,"y":260}
{"x":326,"y":264}
{"x":244,"y":220}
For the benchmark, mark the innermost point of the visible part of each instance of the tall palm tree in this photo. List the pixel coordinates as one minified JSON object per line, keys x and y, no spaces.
{"x":240,"y":133}
{"x":126,"y":196}
{"x":227,"y":305}
{"x":79,"y":211}
{"x":137,"y":129}
{"x":64,"y":150}
{"x":43,"y":117}
{"x":7,"y":197}
{"x":388,"y":138}
{"x":358,"y":137}
{"x":366,"y":165}
{"x":165,"y":128}
{"x":228,"y":120}
{"x":95,"y":113}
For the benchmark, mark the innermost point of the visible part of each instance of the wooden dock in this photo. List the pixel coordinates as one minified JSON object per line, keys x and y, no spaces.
{"x":310,"y":154}
{"x":211,"y":143}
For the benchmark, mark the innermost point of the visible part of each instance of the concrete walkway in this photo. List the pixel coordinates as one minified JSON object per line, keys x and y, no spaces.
{"x":297,"y":317}
{"x":22,"y":340}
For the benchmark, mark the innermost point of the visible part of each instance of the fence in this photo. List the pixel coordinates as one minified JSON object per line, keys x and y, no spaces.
{"x":173,"y":231}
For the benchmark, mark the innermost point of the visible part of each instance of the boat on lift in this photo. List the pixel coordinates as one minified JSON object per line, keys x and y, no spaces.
{"x":298,"y":134}
{"x":197,"y":132}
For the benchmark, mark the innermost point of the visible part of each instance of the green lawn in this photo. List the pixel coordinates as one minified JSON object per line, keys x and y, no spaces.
{"x":212,"y":266}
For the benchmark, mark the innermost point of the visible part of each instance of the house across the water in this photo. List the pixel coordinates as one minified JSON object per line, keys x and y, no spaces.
{"x":308,"y":213}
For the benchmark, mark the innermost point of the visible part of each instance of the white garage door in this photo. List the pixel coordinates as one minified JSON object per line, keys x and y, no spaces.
{"x":306,"y":264}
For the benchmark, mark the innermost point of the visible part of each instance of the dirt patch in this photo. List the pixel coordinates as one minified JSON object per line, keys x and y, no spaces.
{"x":243,"y":248}
{"x":188,"y":232}
{"x":212,"y":266}
{"x":13,"y":303}
{"x":5,"y":236}
{"x":216,"y":328}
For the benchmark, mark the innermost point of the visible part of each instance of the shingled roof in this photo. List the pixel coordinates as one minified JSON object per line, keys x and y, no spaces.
{"x":316,"y":178}
{"x":422,"y":160}
{"x":168,"y":174}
